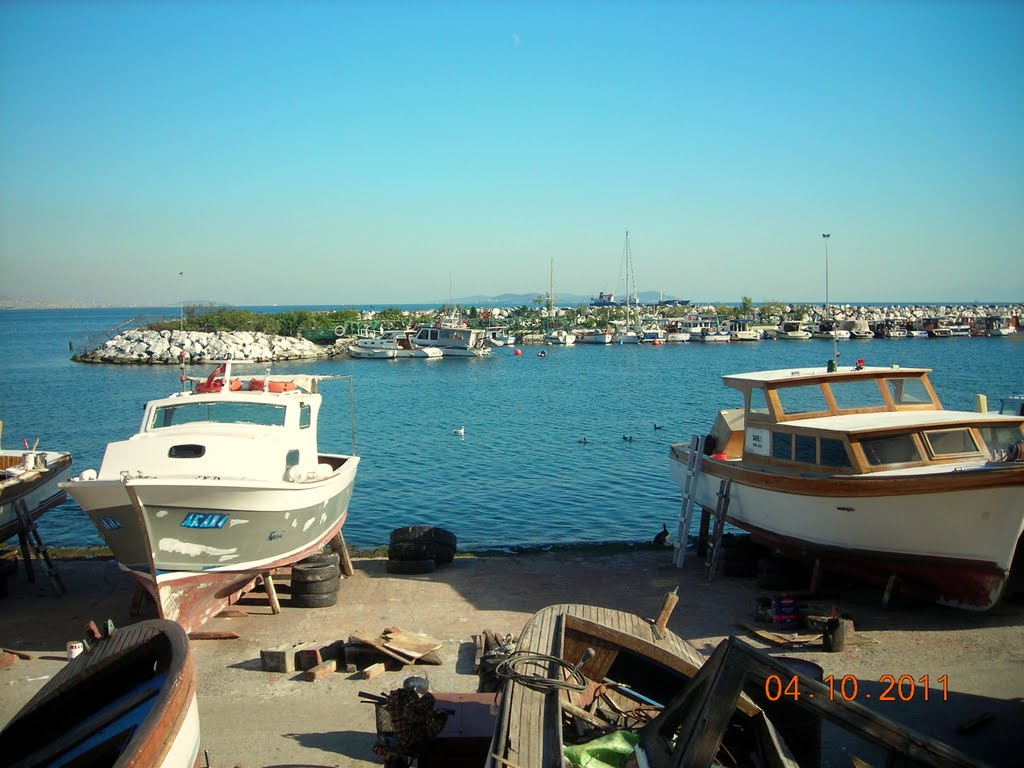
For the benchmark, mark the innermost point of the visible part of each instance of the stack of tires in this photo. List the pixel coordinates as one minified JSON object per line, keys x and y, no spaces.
{"x":315,"y":581}
{"x":420,"y":549}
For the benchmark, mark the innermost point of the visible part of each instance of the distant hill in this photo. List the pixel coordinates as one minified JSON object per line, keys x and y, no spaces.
{"x":561,"y":299}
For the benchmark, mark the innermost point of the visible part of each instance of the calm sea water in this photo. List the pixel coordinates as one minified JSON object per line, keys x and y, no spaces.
{"x":519,"y":476}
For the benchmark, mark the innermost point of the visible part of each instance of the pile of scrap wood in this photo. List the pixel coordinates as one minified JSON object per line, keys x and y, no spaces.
{"x":364,"y":654}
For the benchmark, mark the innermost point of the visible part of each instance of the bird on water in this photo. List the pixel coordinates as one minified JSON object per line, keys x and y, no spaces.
{"x":460,"y":431}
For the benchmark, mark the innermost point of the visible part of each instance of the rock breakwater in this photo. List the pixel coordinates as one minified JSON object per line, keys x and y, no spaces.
{"x":144,"y":347}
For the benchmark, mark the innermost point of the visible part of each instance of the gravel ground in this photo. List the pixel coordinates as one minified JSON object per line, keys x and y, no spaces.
{"x":257,"y":718}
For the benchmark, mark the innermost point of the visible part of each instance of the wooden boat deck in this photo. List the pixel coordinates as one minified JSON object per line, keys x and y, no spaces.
{"x":529,"y":721}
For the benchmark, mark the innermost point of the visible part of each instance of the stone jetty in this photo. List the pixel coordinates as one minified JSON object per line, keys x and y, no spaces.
{"x":144,"y":347}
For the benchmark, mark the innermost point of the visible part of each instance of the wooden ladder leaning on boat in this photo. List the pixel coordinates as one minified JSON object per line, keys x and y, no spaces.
{"x":693,"y":462}
{"x":721,"y":513}
{"x":32,"y":542}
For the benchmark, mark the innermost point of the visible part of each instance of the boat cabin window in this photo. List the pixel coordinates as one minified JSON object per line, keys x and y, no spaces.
{"x":896,"y":449}
{"x":908,"y":391}
{"x":999,"y":439}
{"x":782,"y":446}
{"x":805,"y":399}
{"x":833,"y":453}
{"x":856,"y":394}
{"x":950,"y":442}
{"x":758,"y":402}
{"x":305,"y":416}
{"x":219,"y":413}
{"x":806,"y":449}
{"x":189,"y":451}
{"x":291,"y":459}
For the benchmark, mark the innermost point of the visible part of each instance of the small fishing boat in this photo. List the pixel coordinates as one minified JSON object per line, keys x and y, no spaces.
{"x":29,"y":480}
{"x":862,"y":469}
{"x":221,"y":483}
{"x":829,"y":329}
{"x":498,"y":336}
{"x":742,"y":329}
{"x":572,"y":660}
{"x":391,"y":345}
{"x":560,"y":337}
{"x":676,"y":333}
{"x":452,"y":338}
{"x":594,"y":336}
{"x":792,"y":330}
{"x":129,"y":701}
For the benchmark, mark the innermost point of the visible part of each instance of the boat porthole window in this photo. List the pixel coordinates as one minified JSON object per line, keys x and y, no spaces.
{"x":292,"y":458}
{"x":305,"y":416}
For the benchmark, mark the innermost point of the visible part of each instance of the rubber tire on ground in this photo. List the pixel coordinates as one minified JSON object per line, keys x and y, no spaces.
{"x":424,"y":533}
{"x":421,"y":550}
{"x":314,"y":601}
{"x":411,"y":566}
{"x":315,"y":572}
{"x":316,"y":587}
{"x":444,"y":540}
{"x":323,"y":558}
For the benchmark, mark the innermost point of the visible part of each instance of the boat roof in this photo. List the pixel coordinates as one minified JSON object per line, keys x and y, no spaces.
{"x":854,"y":423}
{"x":742,"y":380}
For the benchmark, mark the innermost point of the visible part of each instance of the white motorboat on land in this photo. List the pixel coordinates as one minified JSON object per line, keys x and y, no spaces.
{"x":594,"y":336}
{"x":741,"y":329}
{"x":221,"y":484}
{"x":454,"y":340}
{"x":862,"y":469}
{"x":31,"y":478}
{"x":560,"y":336}
{"x":792,"y":330}
{"x":391,"y":345}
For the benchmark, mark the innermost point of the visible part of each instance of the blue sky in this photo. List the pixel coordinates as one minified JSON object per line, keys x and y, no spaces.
{"x":356,"y":152}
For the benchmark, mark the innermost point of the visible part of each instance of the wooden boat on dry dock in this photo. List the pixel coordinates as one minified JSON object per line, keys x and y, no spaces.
{"x":580,"y":672}
{"x":29,"y":482}
{"x":221,"y":484}
{"x":129,"y":702}
{"x":584,"y":679}
{"x":862,"y":469}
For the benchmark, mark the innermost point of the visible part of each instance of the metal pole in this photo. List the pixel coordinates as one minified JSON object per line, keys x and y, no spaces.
{"x":181,"y":303}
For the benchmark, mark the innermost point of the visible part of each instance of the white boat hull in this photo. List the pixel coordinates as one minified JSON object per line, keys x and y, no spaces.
{"x":952,"y":546}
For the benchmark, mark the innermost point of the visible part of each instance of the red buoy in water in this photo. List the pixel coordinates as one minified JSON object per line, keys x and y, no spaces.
{"x":518,"y":352}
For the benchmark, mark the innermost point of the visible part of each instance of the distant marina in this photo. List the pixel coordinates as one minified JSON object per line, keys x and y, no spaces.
{"x":520,"y":474}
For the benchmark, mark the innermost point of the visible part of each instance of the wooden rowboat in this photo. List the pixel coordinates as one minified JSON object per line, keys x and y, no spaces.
{"x":129,"y":702}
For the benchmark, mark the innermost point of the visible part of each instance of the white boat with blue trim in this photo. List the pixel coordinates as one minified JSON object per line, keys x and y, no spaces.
{"x":223,"y":482}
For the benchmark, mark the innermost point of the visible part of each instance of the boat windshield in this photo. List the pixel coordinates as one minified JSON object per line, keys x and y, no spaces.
{"x":802,"y":399}
{"x":895,"y":449}
{"x":908,"y":391}
{"x":998,"y":439}
{"x":856,"y":394}
{"x":219,"y":413}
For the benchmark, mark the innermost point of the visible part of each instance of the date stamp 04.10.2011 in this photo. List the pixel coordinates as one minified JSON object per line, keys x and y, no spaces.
{"x":848,"y":688}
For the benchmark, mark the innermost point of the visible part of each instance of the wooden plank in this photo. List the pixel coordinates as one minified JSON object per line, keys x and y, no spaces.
{"x":371,"y":671}
{"x":213,"y":634}
{"x":411,"y":644}
{"x":20,"y":654}
{"x":314,"y":674}
{"x":280,"y":658}
{"x":377,"y":642}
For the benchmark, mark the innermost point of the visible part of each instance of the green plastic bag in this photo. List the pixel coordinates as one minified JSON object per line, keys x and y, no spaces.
{"x":609,"y":751}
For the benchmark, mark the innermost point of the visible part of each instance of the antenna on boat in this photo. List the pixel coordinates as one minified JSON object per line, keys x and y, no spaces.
{"x":834,"y":362}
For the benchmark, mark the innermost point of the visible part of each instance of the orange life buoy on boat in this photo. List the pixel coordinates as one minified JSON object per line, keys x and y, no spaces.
{"x":256,"y":385}
{"x":213,"y":384}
